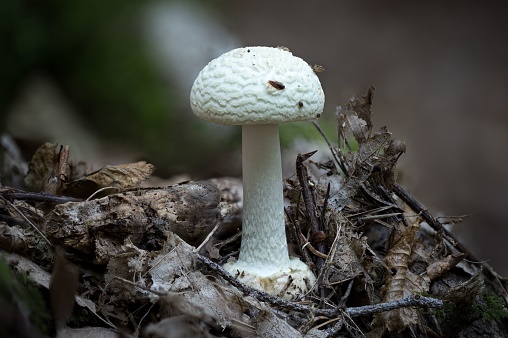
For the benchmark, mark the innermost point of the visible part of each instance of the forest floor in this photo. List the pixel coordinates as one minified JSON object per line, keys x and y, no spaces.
{"x":97,"y":254}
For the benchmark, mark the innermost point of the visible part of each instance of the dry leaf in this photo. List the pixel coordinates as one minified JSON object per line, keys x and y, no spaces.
{"x":87,"y":332}
{"x":401,"y":282}
{"x":177,"y":327}
{"x":41,"y":277}
{"x":345,"y":264}
{"x":121,"y":177}
{"x":62,"y":288}
{"x":358,"y":128}
{"x":48,"y":169}
{"x":363,"y":109}
{"x":444,"y":265}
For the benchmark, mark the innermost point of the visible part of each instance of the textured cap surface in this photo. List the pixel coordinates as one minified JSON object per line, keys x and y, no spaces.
{"x":257,"y":85}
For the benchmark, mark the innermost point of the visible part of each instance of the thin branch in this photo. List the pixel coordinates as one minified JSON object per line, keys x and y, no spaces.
{"x":341,"y":165}
{"x":27,"y":220}
{"x":207,"y":237}
{"x":260,"y":295}
{"x":12,"y":194}
{"x":427,"y":216}
{"x":310,"y":206}
{"x":311,"y":248}
{"x":297,"y":234}
{"x":416,"y":301}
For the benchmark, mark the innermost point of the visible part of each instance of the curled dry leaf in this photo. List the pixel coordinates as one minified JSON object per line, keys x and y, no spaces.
{"x":401,"y":282}
{"x":362,"y":109}
{"x":444,"y":265}
{"x":48,"y":169}
{"x":123,"y":176}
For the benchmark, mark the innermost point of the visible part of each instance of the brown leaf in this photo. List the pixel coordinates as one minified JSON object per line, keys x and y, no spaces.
{"x":62,"y":288}
{"x":123,"y":176}
{"x":363,"y":108}
{"x":49,"y":168}
{"x":444,"y":265}
{"x":401,"y":282}
{"x":359,"y":128}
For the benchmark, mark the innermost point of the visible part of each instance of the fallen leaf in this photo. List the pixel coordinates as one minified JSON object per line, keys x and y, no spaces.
{"x":120,"y":177}
{"x":62,"y":288}
{"x":401,"y":282}
{"x":48,"y":169}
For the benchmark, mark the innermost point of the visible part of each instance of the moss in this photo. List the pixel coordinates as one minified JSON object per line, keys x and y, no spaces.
{"x":454,"y":317}
{"x":495,"y":309}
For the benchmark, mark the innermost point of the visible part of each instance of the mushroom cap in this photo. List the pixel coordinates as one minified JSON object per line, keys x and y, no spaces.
{"x":257,"y":85}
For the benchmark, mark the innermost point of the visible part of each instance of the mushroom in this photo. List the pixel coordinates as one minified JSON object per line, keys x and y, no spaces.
{"x":258,"y":88}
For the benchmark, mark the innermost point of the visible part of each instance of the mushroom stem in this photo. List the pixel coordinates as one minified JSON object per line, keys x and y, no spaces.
{"x":264,"y":248}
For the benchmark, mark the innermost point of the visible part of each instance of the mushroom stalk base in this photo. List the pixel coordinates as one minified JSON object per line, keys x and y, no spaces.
{"x":264,"y":262}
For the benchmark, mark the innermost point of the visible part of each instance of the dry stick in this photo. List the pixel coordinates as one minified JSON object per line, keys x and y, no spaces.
{"x":332,"y":150}
{"x":437,"y":226}
{"x":297,"y":234}
{"x":27,"y":220}
{"x":12,"y":194}
{"x":207,"y":237}
{"x":310,"y":206}
{"x":322,"y":219}
{"x":427,"y":216}
{"x":417,"y":301}
{"x":99,"y":191}
{"x":341,"y":135}
{"x":311,"y":248}
{"x":260,"y":295}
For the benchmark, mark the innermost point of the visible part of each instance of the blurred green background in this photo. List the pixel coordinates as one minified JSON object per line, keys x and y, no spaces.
{"x":96,"y":62}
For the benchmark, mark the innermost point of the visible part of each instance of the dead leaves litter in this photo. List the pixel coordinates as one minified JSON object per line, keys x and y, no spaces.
{"x":149,"y":257}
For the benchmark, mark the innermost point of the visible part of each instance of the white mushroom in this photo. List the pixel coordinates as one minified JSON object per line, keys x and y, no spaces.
{"x":259,"y":87}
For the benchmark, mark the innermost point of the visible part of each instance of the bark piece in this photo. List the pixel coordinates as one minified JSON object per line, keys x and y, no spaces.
{"x":97,"y":228}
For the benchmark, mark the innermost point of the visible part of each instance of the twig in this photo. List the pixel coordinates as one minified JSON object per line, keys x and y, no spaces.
{"x":341,"y":165}
{"x":26,"y":219}
{"x":207,"y":237}
{"x":260,"y":295}
{"x":12,"y":194}
{"x":310,"y":204}
{"x":297,"y":234}
{"x":286,"y":286}
{"x":417,"y":301}
{"x":311,"y":248}
{"x":379,"y":216}
{"x":322,"y":219}
{"x":341,"y":122}
{"x":100,"y":190}
{"x":427,"y":216}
